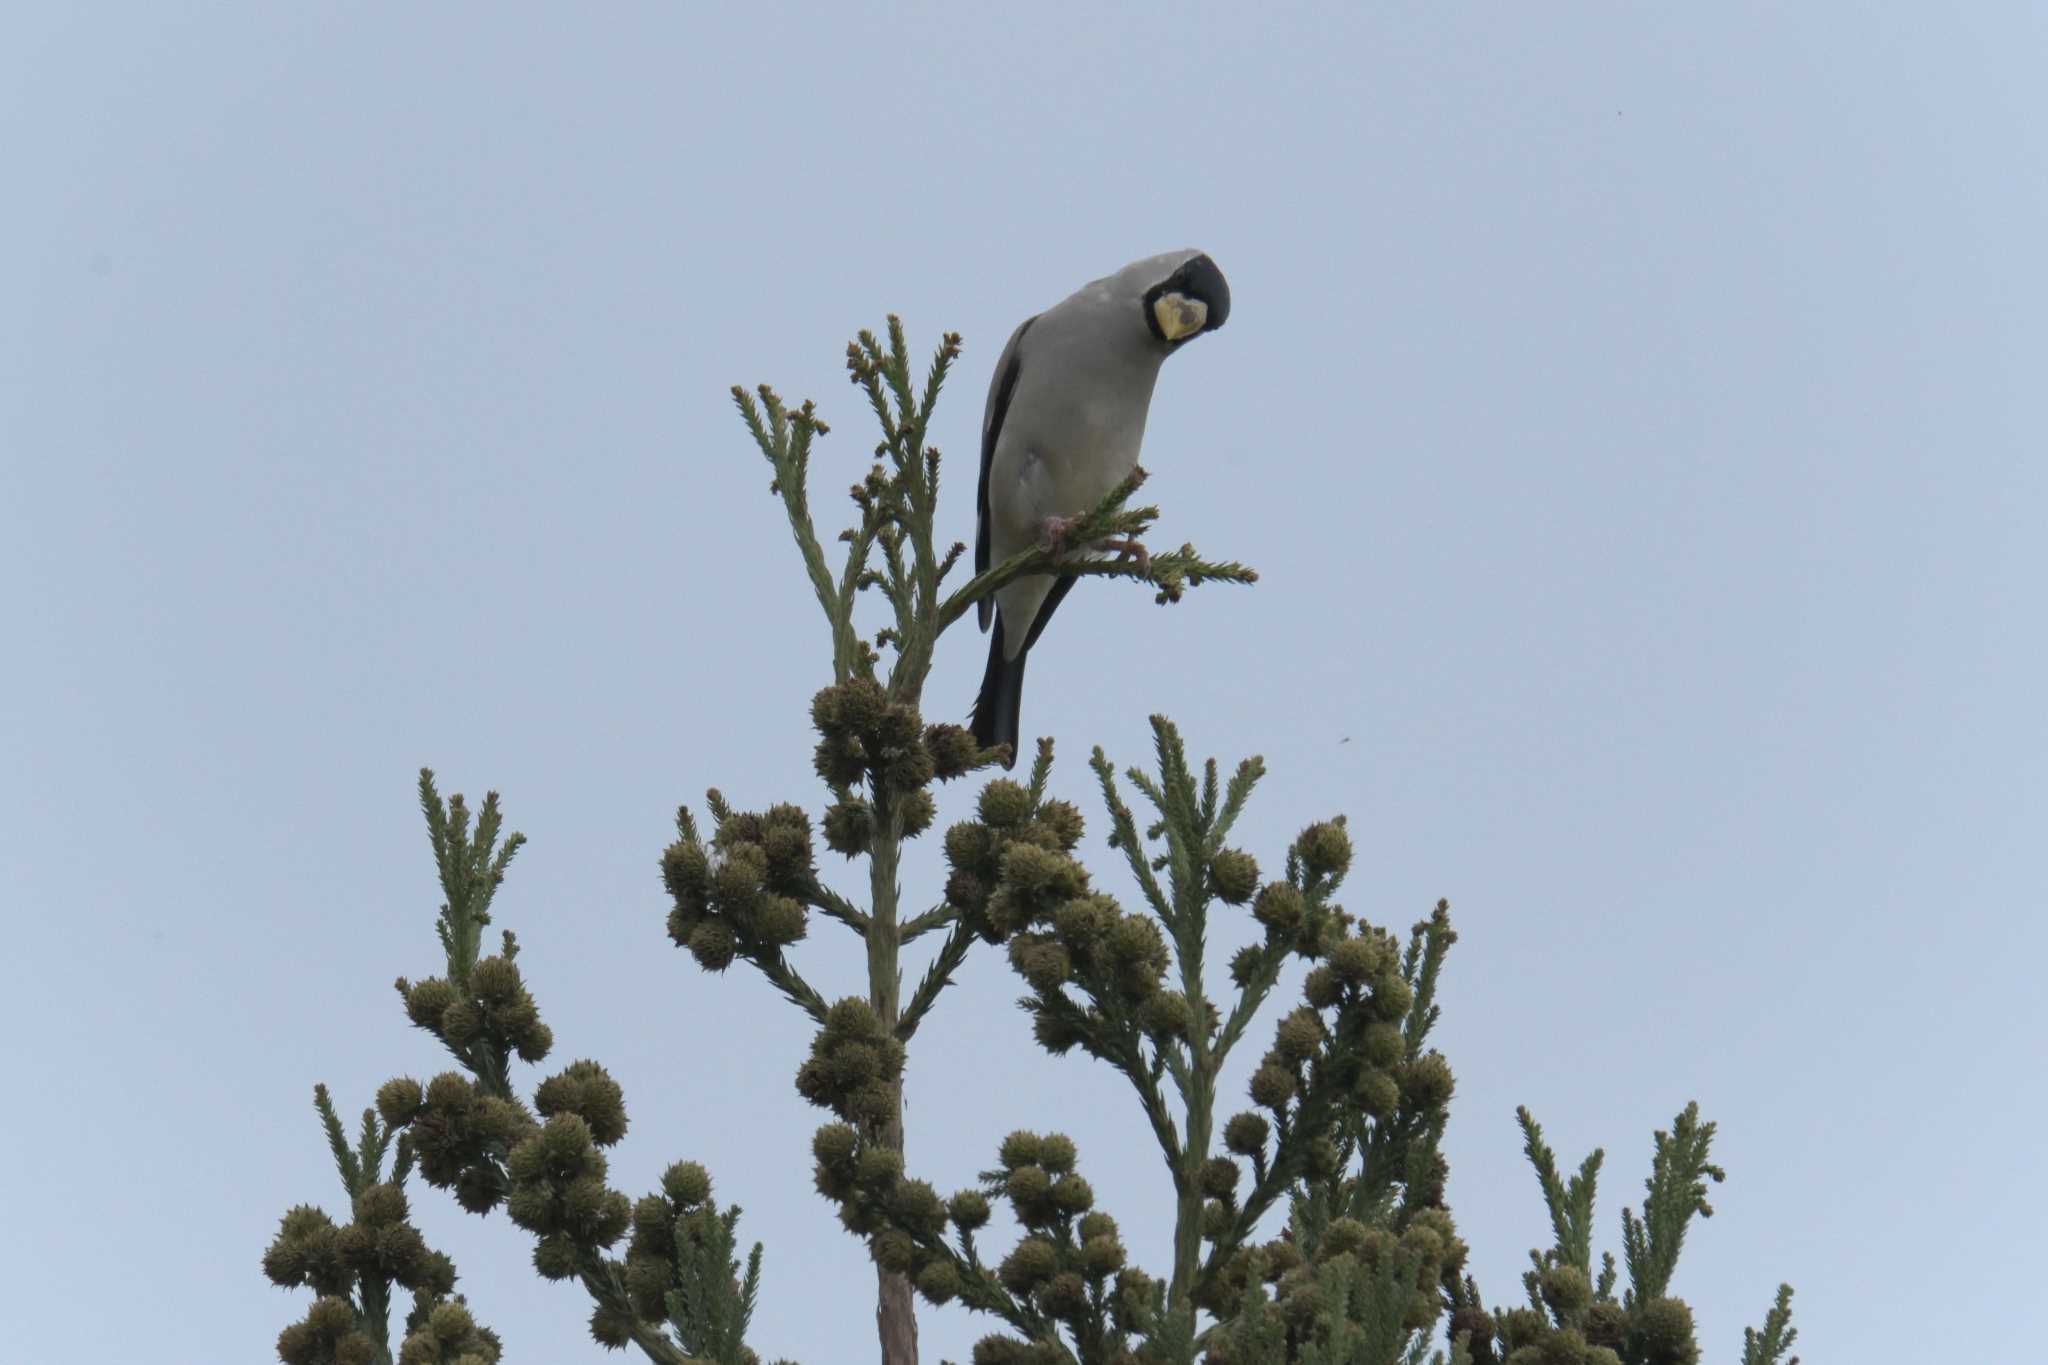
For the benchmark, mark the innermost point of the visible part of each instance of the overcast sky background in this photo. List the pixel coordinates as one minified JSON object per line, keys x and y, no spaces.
{"x":1636,"y":418}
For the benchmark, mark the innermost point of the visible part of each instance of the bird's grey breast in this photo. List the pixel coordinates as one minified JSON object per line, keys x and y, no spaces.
{"x":1079,"y":411}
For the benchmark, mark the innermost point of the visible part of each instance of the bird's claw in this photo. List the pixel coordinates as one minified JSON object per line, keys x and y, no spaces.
{"x":1130,"y":547}
{"x":1054,"y":532}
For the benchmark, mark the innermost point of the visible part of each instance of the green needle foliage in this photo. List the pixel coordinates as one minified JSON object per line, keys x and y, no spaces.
{"x":1572,"y":1313}
{"x":1311,"y":1219}
{"x":352,"y":1269}
{"x":1347,"y":1105}
{"x":1768,"y":1346}
{"x":682,"y":1265}
{"x":676,"y":1294}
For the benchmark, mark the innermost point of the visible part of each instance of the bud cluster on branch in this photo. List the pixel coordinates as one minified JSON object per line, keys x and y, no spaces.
{"x":470,"y":1132}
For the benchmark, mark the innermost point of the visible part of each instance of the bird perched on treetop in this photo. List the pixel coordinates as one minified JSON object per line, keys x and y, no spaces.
{"x":1066,"y":414}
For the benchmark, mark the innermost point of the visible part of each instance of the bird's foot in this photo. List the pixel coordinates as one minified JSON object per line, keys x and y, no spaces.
{"x":1053,"y":533}
{"x":1130,"y":547}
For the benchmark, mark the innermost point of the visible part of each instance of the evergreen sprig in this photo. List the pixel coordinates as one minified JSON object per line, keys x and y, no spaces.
{"x":1767,"y":1346}
{"x":1676,"y":1190}
{"x":352,"y":1268}
{"x":1352,"y":1105}
{"x":682,"y":1265}
{"x":1570,"y":1206}
{"x":471,"y":1132}
{"x":1371,"y":1255}
{"x":713,"y":1301}
{"x":471,"y":867}
{"x":1572,"y":1315}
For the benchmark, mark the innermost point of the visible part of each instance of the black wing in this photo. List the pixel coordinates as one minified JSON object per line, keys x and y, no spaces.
{"x":1008,"y":366}
{"x":1060,"y":588}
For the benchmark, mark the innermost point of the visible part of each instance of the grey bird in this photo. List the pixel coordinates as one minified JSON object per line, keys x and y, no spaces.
{"x":1066,"y":414}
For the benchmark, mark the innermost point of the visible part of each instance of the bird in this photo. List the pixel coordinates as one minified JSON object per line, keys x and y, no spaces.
{"x":1065,"y":417}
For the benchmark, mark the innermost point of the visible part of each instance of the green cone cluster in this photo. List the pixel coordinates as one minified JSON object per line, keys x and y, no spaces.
{"x":863,"y":735}
{"x":746,"y":894}
{"x":1605,"y":1332}
{"x":1015,"y":880}
{"x":491,"y":1010}
{"x":327,"y":1335}
{"x":651,"y":1255}
{"x":379,"y":1247}
{"x":448,"y":1335}
{"x":1067,"y":1271}
{"x":548,"y":1172}
{"x":352,"y":1269}
{"x":1345,"y":1046}
{"x":901,"y":1220}
{"x":459,"y":1132}
{"x":1010,"y":819}
{"x":1069,"y":1264}
{"x":381,"y":1241}
{"x":1341,"y":1070}
{"x":558,"y":1192}
{"x":680,"y":1267}
{"x":436,"y":1333}
{"x":867,"y":742}
{"x":856,"y":1062}
{"x":1363,"y":1285}
{"x":1294,"y":913}
{"x":588,"y":1091}
{"x":1345,"y":1080}
{"x":469,"y":1131}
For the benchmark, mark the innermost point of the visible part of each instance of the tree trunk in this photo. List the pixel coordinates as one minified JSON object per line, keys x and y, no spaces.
{"x":896,"y":1318}
{"x":895,"y":1303}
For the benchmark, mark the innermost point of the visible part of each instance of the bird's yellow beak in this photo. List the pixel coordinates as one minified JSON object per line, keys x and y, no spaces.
{"x":1179,"y":316}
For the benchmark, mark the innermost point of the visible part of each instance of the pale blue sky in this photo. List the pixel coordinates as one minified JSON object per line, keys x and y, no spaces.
{"x":1637,"y":418}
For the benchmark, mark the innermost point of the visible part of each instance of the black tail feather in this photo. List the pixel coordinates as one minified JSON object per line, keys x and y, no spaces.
{"x":998,"y":706}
